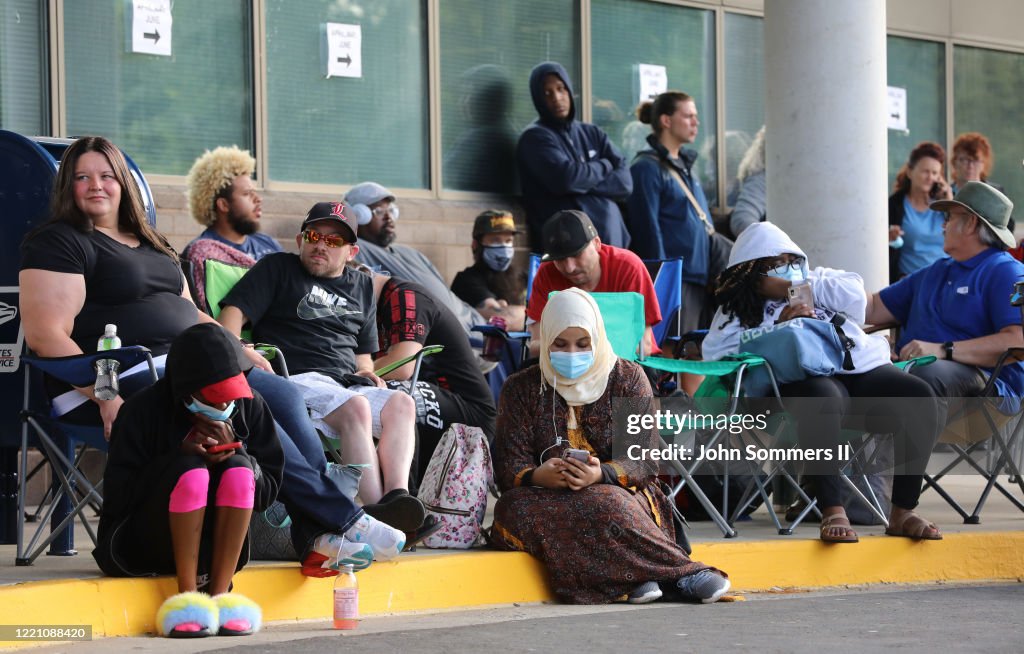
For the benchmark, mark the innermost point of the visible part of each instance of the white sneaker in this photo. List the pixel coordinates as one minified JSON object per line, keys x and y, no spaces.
{"x":386,"y":542}
{"x":331,"y":551}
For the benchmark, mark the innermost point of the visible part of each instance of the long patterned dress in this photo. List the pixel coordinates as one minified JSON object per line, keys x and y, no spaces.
{"x":601,"y":542}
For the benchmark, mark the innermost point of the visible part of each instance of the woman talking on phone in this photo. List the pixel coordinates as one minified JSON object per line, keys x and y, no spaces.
{"x":596,"y":519}
{"x":915,"y":230}
{"x":753,"y":293}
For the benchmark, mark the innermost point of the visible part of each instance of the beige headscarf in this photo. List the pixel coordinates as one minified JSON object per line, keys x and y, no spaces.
{"x":575,"y":308}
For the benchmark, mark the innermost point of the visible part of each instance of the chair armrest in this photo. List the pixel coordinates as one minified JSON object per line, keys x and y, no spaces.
{"x":275,"y":356}
{"x":491,"y":330}
{"x":426,"y":351}
{"x":78,"y":369}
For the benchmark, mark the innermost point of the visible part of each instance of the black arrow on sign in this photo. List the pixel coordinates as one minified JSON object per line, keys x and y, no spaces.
{"x":347,"y":59}
{"x":155,"y":35}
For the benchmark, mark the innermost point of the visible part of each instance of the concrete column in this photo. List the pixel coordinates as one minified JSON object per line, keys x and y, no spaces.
{"x":825,"y":104}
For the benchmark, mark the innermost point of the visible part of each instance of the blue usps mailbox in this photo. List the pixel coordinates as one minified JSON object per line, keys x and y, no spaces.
{"x":28,"y":166}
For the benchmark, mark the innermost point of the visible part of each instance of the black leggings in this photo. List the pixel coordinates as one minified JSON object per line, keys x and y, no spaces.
{"x":890,"y":401}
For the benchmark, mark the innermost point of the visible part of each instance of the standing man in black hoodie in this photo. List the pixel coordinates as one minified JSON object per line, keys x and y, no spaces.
{"x":568,"y":164}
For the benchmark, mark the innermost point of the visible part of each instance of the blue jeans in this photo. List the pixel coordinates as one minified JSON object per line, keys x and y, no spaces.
{"x":314,"y":501}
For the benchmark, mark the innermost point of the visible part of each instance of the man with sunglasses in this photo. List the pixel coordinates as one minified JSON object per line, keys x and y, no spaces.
{"x":322,"y":316}
{"x":377,"y":213}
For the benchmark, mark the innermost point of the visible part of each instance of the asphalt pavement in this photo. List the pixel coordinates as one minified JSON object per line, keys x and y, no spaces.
{"x":972,"y":618}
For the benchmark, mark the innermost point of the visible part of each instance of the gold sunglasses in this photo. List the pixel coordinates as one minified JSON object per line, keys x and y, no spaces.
{"x":330,"y":240}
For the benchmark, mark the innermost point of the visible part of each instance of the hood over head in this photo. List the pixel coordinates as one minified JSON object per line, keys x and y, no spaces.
{"x":760,"y":241}
{"x":205,"y":357}
{"x":537,"y":75}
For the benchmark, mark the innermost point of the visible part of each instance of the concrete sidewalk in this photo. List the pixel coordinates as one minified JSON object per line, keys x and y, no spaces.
{"x":69,"y":590}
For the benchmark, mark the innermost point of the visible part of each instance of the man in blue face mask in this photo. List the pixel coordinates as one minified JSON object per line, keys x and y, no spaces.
{"x":494,"y":285}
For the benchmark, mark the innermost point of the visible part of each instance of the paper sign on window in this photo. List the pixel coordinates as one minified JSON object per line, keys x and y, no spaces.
{"x":896,"y":114}
{"x":151,"y":27}
{"x":344,"y":50}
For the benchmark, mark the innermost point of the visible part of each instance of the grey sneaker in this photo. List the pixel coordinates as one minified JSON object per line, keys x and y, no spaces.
{"x":644,"y":593}
{"x":707,"y":586}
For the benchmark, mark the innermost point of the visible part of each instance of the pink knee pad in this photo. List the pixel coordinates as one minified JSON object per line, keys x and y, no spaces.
{"x":237,"y":488}
{"x":189,"y":493}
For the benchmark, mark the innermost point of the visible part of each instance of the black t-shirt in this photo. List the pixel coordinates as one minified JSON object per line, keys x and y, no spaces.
{"x":407,"y":312}
{"x":319,"y":323}
{"x":477,"y":283}
{"x":137,"y":289}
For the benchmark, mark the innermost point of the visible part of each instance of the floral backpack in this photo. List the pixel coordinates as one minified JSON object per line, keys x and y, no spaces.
{"x":455,"y":486}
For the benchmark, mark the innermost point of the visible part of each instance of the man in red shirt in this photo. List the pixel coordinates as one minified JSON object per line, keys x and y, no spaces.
{"x":575,"y":256}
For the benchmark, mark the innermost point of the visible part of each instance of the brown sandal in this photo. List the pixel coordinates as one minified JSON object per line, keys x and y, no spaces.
{"x":833,"y":521}
{"x":915,"y":527}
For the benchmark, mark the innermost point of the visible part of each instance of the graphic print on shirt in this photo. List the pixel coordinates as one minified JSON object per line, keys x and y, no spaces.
{"x":319,"y":303}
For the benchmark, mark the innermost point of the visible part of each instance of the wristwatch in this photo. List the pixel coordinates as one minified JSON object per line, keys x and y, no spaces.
{"x":948,"y":347}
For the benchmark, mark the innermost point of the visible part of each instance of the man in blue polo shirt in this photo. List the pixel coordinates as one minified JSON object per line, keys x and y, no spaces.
{"x":958,"y":308}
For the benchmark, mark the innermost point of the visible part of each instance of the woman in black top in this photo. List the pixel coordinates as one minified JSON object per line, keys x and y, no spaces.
{"x":98,"y":261}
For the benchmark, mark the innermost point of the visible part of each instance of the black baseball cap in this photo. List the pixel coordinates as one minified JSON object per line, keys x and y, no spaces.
{"x":338,"y":212}
{"x":566,"y":234}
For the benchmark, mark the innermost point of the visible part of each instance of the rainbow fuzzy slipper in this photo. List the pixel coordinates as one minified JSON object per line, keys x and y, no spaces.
{"x":187,"y":615}
{"x":239,"y":615}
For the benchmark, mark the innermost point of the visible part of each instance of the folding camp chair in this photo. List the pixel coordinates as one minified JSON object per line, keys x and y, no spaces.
{"x":720,"y":394}
{"x":668,"y":288}
{"x":985,"y":420}
{"x":56,"y":439}
{"x":516,"y":341}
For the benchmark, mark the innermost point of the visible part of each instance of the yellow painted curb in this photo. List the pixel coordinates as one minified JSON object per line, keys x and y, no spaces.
{"x":121,"y":607}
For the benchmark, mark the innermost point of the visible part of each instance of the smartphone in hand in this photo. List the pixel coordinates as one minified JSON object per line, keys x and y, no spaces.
{"x":801,"y":294}
{"x":221,"y":447}
{"x":580,"y":455}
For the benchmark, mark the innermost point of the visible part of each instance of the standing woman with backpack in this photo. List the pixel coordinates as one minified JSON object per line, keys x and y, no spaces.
{"x":668,"y":213}
{"x":596,"y":519}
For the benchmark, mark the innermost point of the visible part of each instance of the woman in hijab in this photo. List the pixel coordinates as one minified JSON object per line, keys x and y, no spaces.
{"x":600,"y":524}
{"x":753,"y":293}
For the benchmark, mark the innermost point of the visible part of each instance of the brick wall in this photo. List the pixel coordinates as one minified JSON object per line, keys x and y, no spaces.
{"x":441,"y":229}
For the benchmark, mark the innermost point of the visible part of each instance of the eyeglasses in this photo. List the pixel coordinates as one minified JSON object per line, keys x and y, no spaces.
{"x":967,"y":161}
{"x":780,"y":268}
{"x":330,"y":240}
{"x":391,"y":210}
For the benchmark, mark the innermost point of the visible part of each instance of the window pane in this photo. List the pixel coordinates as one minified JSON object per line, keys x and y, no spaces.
{"x":163,"y":111}
{"x":345,"y":130}
{"x":683,"y":42}
{"x":987,"y":85}
{"x":920,"y":68}
{"x":485,"y":72}
{"x":23,"y":81}
{"x":744,"y":92}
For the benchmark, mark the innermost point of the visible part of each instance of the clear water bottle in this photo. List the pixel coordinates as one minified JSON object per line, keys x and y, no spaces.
{"x":346,"y":598}
{"x":106,"y":369}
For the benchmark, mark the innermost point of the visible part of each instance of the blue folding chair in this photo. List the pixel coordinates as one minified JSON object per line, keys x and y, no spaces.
{"x":668,"y":288}
{"x":57,"y":440}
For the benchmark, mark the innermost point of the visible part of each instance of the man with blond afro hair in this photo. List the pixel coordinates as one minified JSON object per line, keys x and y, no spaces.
{"x":223,"y":198}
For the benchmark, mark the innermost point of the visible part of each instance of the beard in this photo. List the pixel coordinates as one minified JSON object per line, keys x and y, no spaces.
{"x":243,"y":224}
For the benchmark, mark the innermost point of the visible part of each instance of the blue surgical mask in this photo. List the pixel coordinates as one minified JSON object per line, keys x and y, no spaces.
{"x":497,"y":257}
{"x":210,"y":412}
{"x":794,"y":275}
{"x":572,"y":364}
{"x":897,"y":243}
